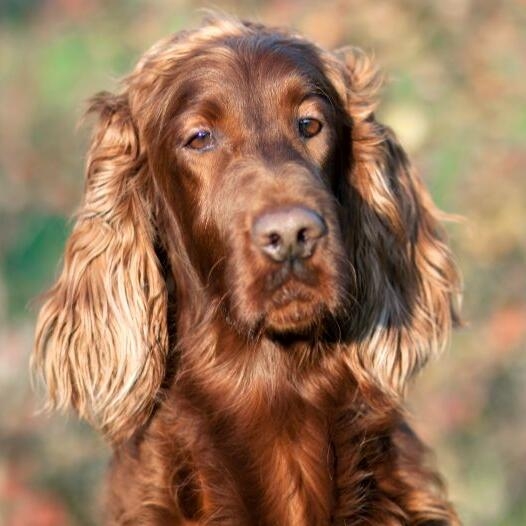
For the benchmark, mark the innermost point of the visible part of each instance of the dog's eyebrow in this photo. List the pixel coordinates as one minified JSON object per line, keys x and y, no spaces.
{"x":196,"y":99}
{"x":316,"y":88}
{"x":316,"y":95}
{"x":206,"y":107}
{"x":301,"y":86}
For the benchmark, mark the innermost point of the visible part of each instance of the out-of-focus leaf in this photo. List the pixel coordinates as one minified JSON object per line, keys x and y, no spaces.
{"x":15,"y":11}
{"x":60,"y":67}
{"x":31,"y":258}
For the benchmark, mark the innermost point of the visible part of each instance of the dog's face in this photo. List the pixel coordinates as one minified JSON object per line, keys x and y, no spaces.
{"x":248,"y":164}
{"x":251,"y":159}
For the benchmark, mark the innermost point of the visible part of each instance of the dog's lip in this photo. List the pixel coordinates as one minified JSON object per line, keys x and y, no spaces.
{"x":293,"y":306}
{"x":290,"y":280}
{"x":283,"y":302}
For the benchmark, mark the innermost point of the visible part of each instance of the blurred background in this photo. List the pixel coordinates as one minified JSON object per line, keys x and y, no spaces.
{"x":456,"y":95}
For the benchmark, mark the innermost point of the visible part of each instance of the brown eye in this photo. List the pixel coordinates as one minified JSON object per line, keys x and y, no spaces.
{"x":202,"y":140}
{"x":309,"y":127}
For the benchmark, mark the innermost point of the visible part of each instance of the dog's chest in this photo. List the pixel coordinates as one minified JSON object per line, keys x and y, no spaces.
{"x":299,"y":477}
{"x":277,"y":477}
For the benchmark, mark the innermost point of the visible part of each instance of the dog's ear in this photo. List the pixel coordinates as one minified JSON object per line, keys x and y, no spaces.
{"x":101,"y":334}
{"x":407,"y":283}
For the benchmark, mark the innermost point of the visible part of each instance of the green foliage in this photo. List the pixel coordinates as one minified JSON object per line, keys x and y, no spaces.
{"x":16,"y":11}
{"x":31,"y":256}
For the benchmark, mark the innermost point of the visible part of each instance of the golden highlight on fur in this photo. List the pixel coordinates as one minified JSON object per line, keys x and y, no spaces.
{"x":238,"y":387}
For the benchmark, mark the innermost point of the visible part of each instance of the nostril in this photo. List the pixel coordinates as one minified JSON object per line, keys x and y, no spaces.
{"x":302,"y":235}
{"x":274,"y":239}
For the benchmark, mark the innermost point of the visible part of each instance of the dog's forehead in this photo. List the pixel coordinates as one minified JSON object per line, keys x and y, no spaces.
{"x":261,"y":64}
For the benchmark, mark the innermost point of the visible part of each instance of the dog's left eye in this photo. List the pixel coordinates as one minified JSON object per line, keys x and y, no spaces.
{"x":309,"y":127}
{"x":202,"y":140}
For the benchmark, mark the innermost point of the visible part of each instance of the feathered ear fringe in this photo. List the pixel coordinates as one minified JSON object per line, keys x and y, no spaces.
{"x":408,"y":284}
{"x":101,"y":334}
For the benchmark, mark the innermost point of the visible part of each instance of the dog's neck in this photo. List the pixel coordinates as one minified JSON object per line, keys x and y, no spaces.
{"x":272,"y":415}
{"x":256,"y":436}
{"x":252,"y":366}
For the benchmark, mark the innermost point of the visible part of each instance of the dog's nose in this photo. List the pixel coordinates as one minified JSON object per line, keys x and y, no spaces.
{"x":288,"y":233}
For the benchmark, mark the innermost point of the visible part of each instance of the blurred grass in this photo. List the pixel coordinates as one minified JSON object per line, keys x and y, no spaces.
{"x":455,"y":94}
{"x":30,"y":257}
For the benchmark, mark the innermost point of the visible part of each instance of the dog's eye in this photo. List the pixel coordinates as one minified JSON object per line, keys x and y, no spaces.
{"x":202,"y":140}
{"x":309,"y":127}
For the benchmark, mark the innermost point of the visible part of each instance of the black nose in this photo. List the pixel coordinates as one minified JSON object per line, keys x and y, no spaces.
{"x":288,"y":233}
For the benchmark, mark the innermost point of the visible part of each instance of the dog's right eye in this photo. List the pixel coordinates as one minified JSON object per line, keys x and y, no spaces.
{"x":202,"y":140}
{"x":308,"y":127}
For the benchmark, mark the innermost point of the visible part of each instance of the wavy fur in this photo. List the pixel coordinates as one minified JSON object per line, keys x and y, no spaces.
{"x":101,"y":334}
{"x":235,"y":390}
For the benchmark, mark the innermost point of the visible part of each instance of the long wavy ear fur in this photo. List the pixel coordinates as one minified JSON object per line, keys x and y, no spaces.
{"x":407,"y":282}
{"x":101,"y":334}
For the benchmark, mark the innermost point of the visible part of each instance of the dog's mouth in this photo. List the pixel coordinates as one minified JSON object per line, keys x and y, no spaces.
{"x":293,"y":303}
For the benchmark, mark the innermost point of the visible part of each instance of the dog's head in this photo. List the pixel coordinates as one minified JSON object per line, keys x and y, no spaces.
{"x":245,"y":156}
{"x":246,"y":164}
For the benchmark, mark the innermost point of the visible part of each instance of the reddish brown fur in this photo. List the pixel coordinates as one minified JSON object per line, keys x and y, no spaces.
{"x":233,"y":392}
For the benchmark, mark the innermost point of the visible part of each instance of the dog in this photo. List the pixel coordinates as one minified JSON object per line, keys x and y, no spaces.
{"x":254,"y":276}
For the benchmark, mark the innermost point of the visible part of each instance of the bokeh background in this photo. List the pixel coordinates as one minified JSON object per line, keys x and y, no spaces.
{"x":456,"y":94}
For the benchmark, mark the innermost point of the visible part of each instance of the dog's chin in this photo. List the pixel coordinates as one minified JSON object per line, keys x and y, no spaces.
{"x":294,"y":311}
{"x":295,"y":318}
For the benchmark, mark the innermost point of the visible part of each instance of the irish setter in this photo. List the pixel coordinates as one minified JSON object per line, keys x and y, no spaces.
{"x":255,"y":274}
